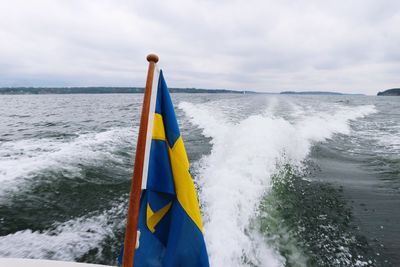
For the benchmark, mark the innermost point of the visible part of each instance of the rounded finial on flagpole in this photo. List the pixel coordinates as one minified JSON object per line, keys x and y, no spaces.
{"x":152,"y":58}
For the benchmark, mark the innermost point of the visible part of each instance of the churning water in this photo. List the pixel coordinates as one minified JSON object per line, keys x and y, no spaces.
{"x":282,"y":180}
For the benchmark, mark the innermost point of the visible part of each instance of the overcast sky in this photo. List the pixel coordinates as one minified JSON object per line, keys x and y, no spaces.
{"x":346,"y":46}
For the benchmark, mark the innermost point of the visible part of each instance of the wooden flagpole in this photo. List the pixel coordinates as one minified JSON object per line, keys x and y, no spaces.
{"x":136,"y":186}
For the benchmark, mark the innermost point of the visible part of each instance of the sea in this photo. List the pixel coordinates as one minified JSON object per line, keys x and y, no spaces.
{"x":282,"y":180}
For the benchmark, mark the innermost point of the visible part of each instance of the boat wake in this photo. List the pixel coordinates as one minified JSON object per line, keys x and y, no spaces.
{"x":237,"y":174}
{"x":71,"y":240}
{"x":21,"y":162}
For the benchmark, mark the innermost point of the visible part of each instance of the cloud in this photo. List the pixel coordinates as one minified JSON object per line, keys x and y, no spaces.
{"x":348,"y":46}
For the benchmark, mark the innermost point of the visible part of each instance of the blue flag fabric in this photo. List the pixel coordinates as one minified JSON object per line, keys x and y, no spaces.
{"x":169,"y":217}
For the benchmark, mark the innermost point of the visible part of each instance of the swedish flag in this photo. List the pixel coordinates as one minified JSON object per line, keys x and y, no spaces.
{"x":169,"y":217}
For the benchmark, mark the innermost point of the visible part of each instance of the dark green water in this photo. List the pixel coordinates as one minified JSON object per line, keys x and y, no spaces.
{"x":282,"y":180}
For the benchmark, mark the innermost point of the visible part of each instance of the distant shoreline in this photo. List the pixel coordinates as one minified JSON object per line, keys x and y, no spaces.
{"x":314,"y":93}
{"x":390,"y":92}
{"x":107,"y":90}
{"x":140,"y":90}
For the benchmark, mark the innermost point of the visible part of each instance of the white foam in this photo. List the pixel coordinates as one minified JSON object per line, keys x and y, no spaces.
{"x":21,"y":160}
{"x":235,"y":176}
{"x":66,"y":241}
{"x":387,"y":136}
{"x":390,"y":141}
